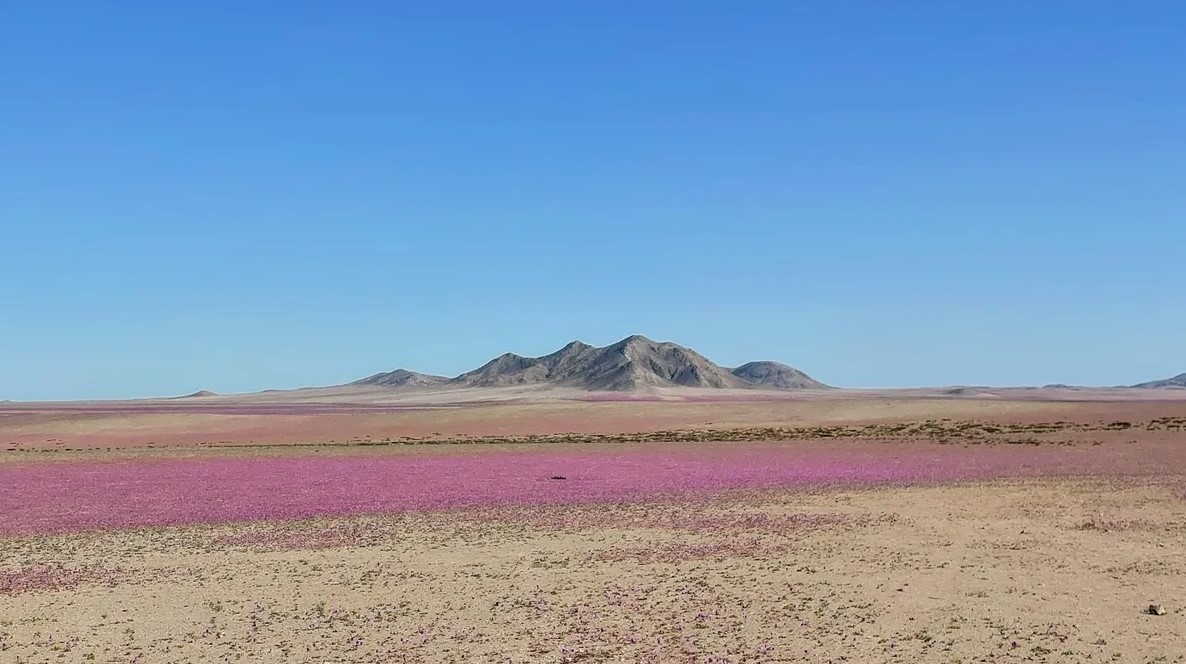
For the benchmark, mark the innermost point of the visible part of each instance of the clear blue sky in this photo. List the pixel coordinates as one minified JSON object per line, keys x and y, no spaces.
{"x":245,"y":195}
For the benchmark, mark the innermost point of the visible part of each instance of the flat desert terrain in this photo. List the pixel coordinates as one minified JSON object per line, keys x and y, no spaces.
{"x":974,"y":526}
{"x":358,"y":415}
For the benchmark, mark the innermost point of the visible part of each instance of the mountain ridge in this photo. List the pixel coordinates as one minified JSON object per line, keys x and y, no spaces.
{"x":633,"y":363}
{"x":1176,"y":381}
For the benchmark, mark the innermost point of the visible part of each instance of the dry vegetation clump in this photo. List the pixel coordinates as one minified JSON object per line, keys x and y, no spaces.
{"x":43,"y":577}
{"x":935,"y":430}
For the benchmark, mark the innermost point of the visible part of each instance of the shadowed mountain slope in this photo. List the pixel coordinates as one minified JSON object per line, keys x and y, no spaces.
{"x":1176,"y":381}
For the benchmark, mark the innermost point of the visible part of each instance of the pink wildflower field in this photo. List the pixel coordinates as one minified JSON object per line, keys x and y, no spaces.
{"x":51,"y":498}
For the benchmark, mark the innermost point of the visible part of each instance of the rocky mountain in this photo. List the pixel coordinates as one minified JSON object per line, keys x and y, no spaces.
{"x":629,"y":364}
{"x":632,"y":363}
{"x":776,"y":375}
{"x":1176,"y":381}
{"x":401,"y":378}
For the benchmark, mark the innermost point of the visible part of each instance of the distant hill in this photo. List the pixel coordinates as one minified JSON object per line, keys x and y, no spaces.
{"x":198,"y":394}
{"x":1176,"y":381}
{"x":776,"y":375}
{"x":401,"y":378}
{"x":632,"y":363}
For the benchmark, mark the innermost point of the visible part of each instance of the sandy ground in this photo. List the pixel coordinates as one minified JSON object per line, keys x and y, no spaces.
{"x":1035,"y":571}
{"x":223,"y":420}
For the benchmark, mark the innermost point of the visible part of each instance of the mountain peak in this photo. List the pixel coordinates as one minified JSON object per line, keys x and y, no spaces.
{"x":400,"y":378}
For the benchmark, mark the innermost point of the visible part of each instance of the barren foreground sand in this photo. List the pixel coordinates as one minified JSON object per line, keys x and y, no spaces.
{"x":1042,"y":571}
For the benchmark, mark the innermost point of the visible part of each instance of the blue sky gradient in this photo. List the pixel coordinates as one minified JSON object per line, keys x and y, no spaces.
{"x":245,"y":195}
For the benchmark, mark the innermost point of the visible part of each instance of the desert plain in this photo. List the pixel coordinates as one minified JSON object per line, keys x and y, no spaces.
{"x":360,"y":524}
